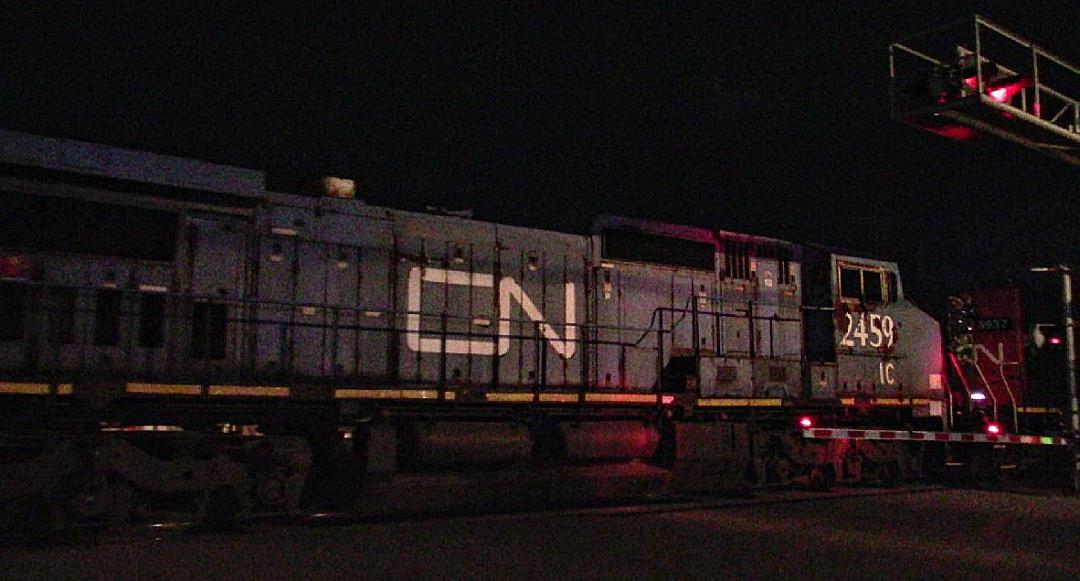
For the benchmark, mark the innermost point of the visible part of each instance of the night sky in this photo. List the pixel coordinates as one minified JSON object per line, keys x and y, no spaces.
{"x":751,"y":116}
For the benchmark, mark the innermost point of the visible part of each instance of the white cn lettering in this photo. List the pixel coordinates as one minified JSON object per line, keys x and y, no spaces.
{"x":417,"y":277}
{"x":508,"y":289}
{"x":996,"y":359}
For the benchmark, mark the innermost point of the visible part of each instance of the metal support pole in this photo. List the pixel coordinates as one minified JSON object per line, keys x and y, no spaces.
{"x":1070,"y":348}
{"x":980,"y":86}
{"x":1072,"y":413}
{"x":1036,"y":108}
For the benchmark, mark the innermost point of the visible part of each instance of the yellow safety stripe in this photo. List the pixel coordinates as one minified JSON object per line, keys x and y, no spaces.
{"x":741,"y":402}
{"x":64,"y":389}
{"x":620,"y":397}
{"x":888,"y":401}
{"x":591,"y":397}
{"x":390,"y":394}
{"x":559,"y":397}
{"x":247,"y":391}
{"x":509,"y":397}
{"x":164,"y":388}
{"x":24,"y":388}
{"x":1038,"y":410}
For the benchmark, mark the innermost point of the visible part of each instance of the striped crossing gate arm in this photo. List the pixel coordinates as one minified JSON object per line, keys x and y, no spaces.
{"x":917,"y":436}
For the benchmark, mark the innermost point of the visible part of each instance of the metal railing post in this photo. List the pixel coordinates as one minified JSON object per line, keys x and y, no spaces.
{"x":978,"y":59}
{"x":660,"y":354}
{"x":1036,"y":107}
{"x":1070,"y":348}
{"x":442,"y":352}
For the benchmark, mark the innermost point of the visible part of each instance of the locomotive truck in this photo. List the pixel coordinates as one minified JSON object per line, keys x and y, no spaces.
{"x":176,"y":336}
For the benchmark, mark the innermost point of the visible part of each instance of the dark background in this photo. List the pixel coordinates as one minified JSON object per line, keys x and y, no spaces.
{"x":769,"y":118}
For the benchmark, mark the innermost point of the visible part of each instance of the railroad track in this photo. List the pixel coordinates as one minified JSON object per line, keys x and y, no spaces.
{"x":164,"y":530}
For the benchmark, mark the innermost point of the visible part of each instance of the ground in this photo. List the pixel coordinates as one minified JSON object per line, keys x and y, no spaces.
{"x":894,"y":534}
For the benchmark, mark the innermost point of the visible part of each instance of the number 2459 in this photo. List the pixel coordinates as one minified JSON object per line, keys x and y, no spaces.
{"x":878,"y":332}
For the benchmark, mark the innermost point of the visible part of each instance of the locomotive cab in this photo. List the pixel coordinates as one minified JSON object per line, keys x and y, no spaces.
{"x":867,"y":343}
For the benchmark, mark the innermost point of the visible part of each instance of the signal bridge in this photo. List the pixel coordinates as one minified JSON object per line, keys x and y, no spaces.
{"x":973,"y":79}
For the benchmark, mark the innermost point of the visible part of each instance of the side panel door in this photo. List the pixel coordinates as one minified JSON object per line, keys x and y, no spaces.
{"x":217,"y":251}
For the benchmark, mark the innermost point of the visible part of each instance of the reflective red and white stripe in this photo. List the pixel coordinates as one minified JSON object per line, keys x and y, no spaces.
{"x":846,"y":434}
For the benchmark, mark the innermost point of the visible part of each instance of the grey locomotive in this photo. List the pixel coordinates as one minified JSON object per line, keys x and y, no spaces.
{"x":148,"y":299}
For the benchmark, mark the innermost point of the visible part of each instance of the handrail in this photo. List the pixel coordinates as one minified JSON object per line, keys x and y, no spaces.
{"x":249,"y":319}
{"x":960,"y":374}
{"x":989,"y":391}
{"x":1025,"y":43}
{"x":1008,"y":389}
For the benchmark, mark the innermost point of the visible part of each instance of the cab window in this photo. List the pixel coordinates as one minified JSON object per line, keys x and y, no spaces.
{"x":869,"y":285}
{"x":850,"y":283}
{"x":871,"y":281}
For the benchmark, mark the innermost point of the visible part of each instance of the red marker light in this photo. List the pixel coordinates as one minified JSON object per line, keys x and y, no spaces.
{"x":993,"y":429}
{"x":1055,"y":340}
{"x":806,"y":422}
{"x":957,"y":132}
{"x":1002,"y":90}
{"x":14,"y":266}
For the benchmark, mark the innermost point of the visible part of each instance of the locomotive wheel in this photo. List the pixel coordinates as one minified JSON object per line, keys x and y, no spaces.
{"x":276,"y":490}
{"x":221,"y":509}
{"x":853,"y":466}
{"x":985,"y":467}
{"x":822,"y":478}
{"x":889,"y":474}
{"x":122,"y":507}
{"x":32,"y":518}
{"x":782,"y":469}
{"x":99,"y":498}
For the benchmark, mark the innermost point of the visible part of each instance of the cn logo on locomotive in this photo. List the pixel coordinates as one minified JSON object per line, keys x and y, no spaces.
{"x":509,"y":289}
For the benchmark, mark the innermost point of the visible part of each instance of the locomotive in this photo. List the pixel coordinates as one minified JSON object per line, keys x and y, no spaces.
{"x":1007,"y":356}
{"x":175,"y":333}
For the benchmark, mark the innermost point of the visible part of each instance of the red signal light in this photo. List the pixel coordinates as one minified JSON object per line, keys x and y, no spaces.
{"x":1001,"y":90}
{"x":1055,"y":340}
{"x":993,"y":429}
{"x":806,"y":422}
{"x":14,"y":266}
